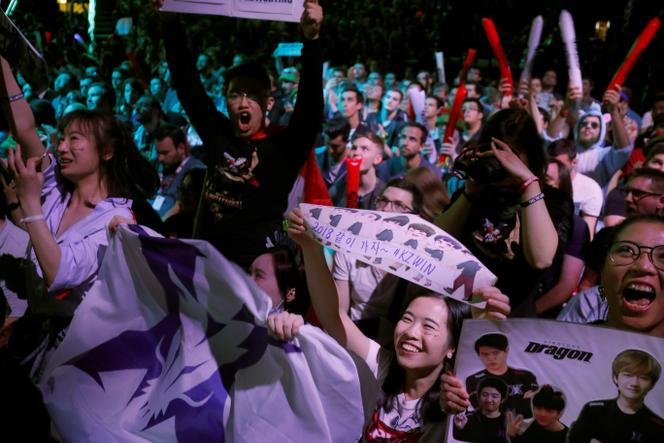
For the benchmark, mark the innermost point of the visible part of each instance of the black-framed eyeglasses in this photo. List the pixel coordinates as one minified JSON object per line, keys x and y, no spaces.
{"x":382,"y":202}
{"x":639,"y":194}
{"x":593,"y":125}
{"x":625,"y":253}
{"x":234,"y":97}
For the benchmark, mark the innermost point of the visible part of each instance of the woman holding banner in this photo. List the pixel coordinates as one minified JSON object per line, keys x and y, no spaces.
{"x":424,"y":342}
{"x":66,"y":204}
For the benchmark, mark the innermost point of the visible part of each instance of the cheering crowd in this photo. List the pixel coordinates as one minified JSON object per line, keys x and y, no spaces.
{"x":560,"y":196}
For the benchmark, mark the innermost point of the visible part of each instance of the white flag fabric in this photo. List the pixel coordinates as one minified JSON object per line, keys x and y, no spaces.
{"x":403,"y":245}
{"x":170,"y":345}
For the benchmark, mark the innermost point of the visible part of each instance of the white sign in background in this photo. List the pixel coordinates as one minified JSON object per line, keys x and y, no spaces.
{"x":276,"y":10}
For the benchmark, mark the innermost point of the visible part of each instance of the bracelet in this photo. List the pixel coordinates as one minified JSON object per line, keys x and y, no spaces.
{"x":32,"y":218}
{"x":533,"y":200}
{"x":527,"y":182}
{"x":13,"y":206}
{"x":14,"y":98}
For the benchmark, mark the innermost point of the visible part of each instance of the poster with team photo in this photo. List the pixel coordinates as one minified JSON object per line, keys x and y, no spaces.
{"x":403,"y":245}
{"x":533,"y":380}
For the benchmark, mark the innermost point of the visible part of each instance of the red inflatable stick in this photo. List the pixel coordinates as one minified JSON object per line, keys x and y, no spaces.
{"x":638,"y":47}
{"x":460,"y":96}
{"x":352,"y":181}
{"x":494,"y":41}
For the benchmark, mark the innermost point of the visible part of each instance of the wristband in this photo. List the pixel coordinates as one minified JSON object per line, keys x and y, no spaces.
{"x":533,"y":200}
{"x":527,"y":182}
{"x":32,"y":218}
{"x":13,"y":206}
{"x":14,"y":98}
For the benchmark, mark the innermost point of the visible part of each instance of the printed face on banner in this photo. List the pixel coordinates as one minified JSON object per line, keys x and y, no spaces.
{"x":632,"y":386}
{"x":494,"y":360}
{"x":546,"y":417}
{"x":490,"y":400}
{"x":401,"y":243}
{"x":582,"y":382}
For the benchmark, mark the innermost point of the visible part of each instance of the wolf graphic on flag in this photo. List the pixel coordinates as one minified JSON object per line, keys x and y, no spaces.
{"x":170,"y":345}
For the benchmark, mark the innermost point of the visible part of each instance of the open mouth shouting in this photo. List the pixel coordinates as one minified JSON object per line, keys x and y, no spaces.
{"x":244,"y":121}
{"x":637,"y":298}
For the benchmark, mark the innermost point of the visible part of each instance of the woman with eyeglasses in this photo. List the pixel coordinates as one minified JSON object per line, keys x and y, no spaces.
{"x":505,"y":214}
{"x":632,"y":277}
{"x":629,"y":294}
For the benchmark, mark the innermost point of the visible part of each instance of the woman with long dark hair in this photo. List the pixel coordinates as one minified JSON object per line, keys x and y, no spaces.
{"x":505,"y":215}
{"x":409,"y":371}
{"x":66,"y":202}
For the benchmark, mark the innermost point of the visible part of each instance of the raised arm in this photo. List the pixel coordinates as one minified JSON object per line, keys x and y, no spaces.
{"x":200,"y":109}
{"x":306,"y":121}
{"x":560,"y":125}
{"x":19,"y":115}
{"x":323,"y":292}
{"x":29,"y":183}
{"x":538,"y":234}
{"x":610,"y":101}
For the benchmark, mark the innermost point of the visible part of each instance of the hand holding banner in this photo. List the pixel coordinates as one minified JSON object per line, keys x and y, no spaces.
{"x":181,"y":353}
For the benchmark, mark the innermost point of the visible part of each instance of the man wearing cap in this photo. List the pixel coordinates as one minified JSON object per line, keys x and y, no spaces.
{"x":492,"y":349}
{"x":288,"y":82}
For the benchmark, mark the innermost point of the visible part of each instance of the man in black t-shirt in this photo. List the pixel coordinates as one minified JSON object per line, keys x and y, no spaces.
{"x":492,"y":349}
{"x":251,"y":167}
{"x":625,"y":419}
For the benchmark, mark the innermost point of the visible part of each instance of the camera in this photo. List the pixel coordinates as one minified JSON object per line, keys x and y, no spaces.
{"x":481,"y":169}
